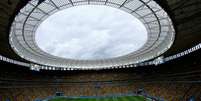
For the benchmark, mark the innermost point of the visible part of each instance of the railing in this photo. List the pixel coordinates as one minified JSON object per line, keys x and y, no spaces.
{"x":146,"y":95}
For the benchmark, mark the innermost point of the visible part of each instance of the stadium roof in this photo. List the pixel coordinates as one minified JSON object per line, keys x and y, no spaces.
{"x":184,"y":20}
{"x":155,"y":19}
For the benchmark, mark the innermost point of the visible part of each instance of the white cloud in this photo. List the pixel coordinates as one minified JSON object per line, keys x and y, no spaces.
{"x":90,"y":32}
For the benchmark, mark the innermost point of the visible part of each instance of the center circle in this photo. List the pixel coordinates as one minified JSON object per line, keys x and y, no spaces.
{"x":90,"y":32}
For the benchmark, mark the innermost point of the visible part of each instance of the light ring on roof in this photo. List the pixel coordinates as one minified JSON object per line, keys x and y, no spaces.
{"x":156,"y":20}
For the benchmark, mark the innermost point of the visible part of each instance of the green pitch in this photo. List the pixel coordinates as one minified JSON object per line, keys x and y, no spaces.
{"x":127,"y":98}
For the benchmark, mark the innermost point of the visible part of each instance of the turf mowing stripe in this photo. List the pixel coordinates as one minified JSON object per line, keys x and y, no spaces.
{"x":129,"y":98}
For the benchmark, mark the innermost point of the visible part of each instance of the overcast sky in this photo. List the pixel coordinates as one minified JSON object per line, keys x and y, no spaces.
{"x":90,"y":32}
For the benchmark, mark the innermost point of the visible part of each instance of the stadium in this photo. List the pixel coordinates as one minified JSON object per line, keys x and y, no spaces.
{"x":100,"y":50}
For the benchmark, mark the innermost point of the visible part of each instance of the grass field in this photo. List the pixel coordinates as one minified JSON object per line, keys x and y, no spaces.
{"x":127,"y":98}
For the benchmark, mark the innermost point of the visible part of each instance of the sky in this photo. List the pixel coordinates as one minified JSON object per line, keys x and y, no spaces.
{"x":90,"y":32}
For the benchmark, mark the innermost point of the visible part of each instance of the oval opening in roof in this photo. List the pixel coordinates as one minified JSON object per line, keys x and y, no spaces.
{"x":91,"y":32}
